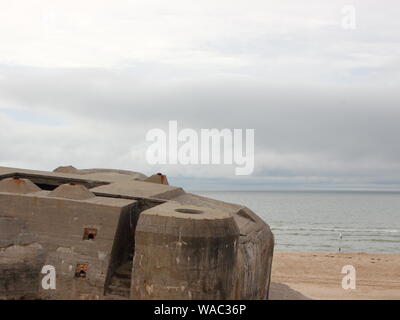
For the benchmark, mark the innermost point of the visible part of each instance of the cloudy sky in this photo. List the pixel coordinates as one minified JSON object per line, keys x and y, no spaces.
{"x":82,"y":82}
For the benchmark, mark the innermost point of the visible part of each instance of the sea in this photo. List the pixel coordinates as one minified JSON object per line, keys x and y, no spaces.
{"x":349,"y":221}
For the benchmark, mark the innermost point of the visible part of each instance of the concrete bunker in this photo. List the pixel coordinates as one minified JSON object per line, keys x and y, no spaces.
{"x":119,"y":277}
{"x":128,"y":238}
{"x":50,"y":183}
{"x":18,"y":185}
{"x":72,"y":191}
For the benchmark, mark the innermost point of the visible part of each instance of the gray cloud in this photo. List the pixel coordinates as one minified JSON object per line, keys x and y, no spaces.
{"x":324,"y":102}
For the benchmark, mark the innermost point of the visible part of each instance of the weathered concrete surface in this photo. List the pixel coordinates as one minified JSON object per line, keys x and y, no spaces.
{"x":185,"y":252}
{"x":17,"y":185}
{"x":103,"y":174}
{"x":111,"y":234}
{"x":139,"y":189}
{"x":20,"y":268}
{"x":158,"y":178}
{"x":71,"y":191}
{"x":255,"y":250}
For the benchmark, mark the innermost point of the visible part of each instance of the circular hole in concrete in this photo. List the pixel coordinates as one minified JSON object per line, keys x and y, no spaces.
{"x":189,"y":211}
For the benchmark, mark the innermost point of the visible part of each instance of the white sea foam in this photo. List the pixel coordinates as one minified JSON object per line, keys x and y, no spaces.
{"x":368,"y":221}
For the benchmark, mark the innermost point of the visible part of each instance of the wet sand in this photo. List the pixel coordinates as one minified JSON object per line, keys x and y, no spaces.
{"x":317,"y":275}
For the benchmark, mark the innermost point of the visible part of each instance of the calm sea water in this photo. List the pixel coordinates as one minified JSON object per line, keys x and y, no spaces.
{"x":312,"y":221}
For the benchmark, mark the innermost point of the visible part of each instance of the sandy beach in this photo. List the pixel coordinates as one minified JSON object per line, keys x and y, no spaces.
{"x":317,"y":275}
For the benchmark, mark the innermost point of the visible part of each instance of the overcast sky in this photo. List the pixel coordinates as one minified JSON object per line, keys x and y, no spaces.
{"x":81,"y":83}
